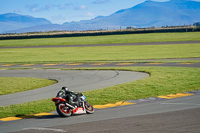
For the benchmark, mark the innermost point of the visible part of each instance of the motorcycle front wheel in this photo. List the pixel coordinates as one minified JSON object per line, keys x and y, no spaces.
{"x":89,"y":108}
{"x":63,"y":110}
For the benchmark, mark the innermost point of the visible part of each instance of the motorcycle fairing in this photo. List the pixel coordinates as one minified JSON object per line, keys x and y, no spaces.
{"x":58,"y":100}
{"x":79,"y":110}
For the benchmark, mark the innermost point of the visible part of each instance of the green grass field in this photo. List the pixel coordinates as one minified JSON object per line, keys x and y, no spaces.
{"x":10,"y":85}
{"x":93,"y":54}
{"x":162,"y":81}
{"x":107,"y":39}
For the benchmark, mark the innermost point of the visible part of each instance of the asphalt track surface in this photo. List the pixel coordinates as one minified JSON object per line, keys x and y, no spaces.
{"x":178,"y":115}
{"x":91,"y":65}
{"x":79,"y":80}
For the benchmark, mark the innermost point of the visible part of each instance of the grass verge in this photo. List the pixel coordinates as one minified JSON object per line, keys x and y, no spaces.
{"x":18,"y":84}
{"x":107,"y":39}
{"x":94,"y":54}
{"x":163,"y":81}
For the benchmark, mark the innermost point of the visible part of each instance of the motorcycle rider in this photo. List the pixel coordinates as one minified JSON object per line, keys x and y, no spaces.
{"x":73,"y":98}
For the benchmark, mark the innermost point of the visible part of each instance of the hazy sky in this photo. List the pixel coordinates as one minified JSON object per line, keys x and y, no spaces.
{"x":60,"y":11}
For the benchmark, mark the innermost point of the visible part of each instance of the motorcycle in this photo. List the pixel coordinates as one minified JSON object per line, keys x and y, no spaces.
{"x":65,"y":109}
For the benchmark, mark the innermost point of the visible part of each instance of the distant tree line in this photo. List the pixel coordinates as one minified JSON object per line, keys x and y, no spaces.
{"x":196,"y":24}
{"x":128,"y":30}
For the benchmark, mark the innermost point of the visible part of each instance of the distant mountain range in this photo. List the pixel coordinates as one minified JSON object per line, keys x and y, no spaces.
{"x":12,"y":21}
{"x":147,"y":14}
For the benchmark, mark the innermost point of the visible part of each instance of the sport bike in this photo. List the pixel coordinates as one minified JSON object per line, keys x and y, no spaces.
{"x":65,"y":109}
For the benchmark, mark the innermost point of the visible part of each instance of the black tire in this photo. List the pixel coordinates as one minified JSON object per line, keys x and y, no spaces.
{"x":89,"y":108}
{"x":63,"y":110}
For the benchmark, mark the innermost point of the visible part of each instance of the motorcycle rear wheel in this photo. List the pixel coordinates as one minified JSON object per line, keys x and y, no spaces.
{"x":63,"y":110}
{"x":89,"y":108}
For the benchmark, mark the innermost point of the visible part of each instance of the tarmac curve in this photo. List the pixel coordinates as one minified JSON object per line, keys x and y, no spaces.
{"x":76,"y":80}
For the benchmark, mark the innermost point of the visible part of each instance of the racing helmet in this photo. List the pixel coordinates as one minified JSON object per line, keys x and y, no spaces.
{"x":65,"y":89}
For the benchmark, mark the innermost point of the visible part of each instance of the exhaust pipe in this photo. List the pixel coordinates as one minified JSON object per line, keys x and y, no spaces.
{"x":70,"y":106}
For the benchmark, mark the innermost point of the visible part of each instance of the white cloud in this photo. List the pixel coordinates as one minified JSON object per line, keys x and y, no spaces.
{"x":81,"y":7}
{"x":48,"y":7}
{"x":64,"y":6}
{"x":33,"y":7}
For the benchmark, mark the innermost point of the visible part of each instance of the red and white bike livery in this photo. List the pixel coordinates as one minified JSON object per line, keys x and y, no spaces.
{"x":65,"y":109}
